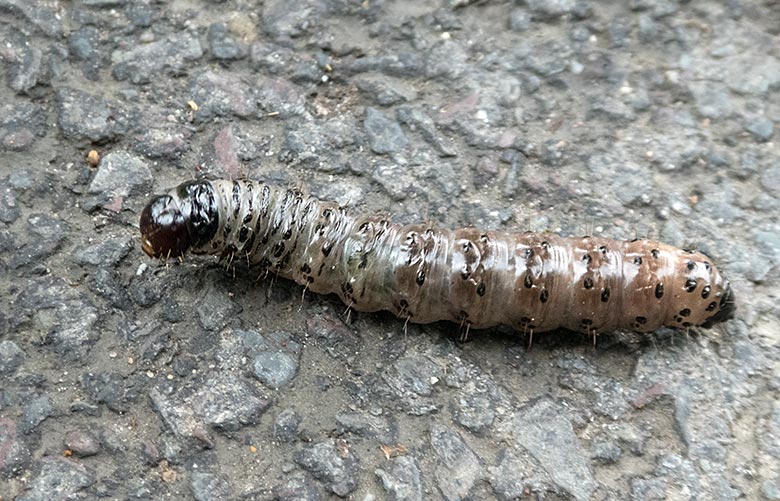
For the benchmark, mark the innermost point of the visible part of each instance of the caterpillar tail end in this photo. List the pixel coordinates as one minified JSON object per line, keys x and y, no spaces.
{"x":173,"y":223}
{"x":728,"y":308}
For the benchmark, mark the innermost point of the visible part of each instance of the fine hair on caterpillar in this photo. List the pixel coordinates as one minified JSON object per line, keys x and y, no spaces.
{"x":423,"y":273}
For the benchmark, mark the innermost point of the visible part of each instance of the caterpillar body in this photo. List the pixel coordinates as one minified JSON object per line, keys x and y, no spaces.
{"x":423,"y":273}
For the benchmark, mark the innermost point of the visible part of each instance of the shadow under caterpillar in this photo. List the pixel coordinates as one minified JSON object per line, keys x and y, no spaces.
{"x":422,"y":273}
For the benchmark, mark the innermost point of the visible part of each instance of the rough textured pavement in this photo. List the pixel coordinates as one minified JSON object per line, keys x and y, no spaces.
{"x":122,"y":378}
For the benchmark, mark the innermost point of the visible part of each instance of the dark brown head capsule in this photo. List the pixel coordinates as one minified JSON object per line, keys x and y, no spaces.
{"x":172,"y":224}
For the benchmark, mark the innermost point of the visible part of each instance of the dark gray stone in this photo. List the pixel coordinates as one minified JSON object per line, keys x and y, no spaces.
{"x":384,"y":135}
{"x":380,"y":428}
{"x":106,"y":253}
{"x":274,"y":355}
{"x":82,"y":443}
{"x":417,"y":120}
{"x":280,"y":97}
{"x":21,"y":124}
{"x":209,"y":486}
{"x":9,"y":210}
{"x":120,"y":174}
{"x":110,"y":388}
{"x":61,"y":314}
{"x":457,"y":468}
{"x":221,"y":94}
{"x":225,"y":46}
{"x":224,"y":401}
{"x":333,"y":463}
{"x":84,"y":46}
{"x":543,"y":430}
{"x":761,"y":128}
{"x":548,"y":10}
{"x":295,"y":489}
{"x":11,"y":357}
{"x":47,"y":234}
{"x":86,"y":117}
{"x":711,"y":99}
{"x":411,"y":380}
{"x":286,"y":426}
{"x":14,"y":453}
{"x":605,"y":451}
{"x":59,"y":478}
{"x":215,"y":309}
{"x":143,"y":63}
{"x":26,"y":61}
{"x":385,"y":91}
{"x":401,"y":479}
{"x":35,"y":412}
{"x":42,"y":17}
{"x":290,"y":18}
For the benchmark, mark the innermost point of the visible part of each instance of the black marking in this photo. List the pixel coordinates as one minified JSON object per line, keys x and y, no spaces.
{"x":528,"y":252}
{"x":691,"y":265}
{"x":326,"y":249}
{"x":587,"y":321}
{"x":641,"y":320}
{"x":705,"y":292}
{"x":243,"y":234}
{"x":404,"y":304}
{"x":605,"y":295}
{"x":588,"y":283}
{"x":420,"y":277}
{"x":603,"y":250}
{"x":278,"y":249}
{"x":528,"y":282}
{"x":305,"y":268}
{"x":685,"y":312}
{"x":481,"y":288}
{"x":637,"y":260}
{"x":587,"y":258}
{"x":690,"y":285}
{"x":544,"y":296}
{"x":659,"y":291}
{"x":712,"y":306}
{"x":655,"y":253}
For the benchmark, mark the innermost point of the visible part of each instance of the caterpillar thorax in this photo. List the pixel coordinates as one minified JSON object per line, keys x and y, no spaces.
{"x":423,"y":273}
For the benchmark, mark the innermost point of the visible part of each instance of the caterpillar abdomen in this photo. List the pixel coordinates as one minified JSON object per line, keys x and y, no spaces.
{"x":530,"y":281}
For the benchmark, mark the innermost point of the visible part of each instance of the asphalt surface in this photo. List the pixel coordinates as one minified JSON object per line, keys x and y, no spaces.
{"x":124,"y":378}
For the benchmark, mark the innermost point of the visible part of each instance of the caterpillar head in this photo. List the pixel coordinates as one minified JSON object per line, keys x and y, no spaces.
{"x":184,"y":218}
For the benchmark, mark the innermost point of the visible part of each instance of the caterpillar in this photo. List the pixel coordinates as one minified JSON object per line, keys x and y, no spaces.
{"x":423,"y":273}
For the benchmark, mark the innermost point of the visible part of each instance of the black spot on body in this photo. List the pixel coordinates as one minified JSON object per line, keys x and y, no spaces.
{"x":588,"y":283}
{"x":705,"y":292}
{"x":243,"y":234}
{"x":587,"y":258}
{"x":605,"y":295}
{"x":685,"y":312}
{"x":691,"y":265}
{"x":528,"y":252}
{"x":404,"y":304}
{"x":586,"y":321}
{"x":655,"y":253}
{"x":305,"y":268}
{"x":420,"y":277}
{"x":528,"y":282}
{"x":690,"y":285}
{"x":278,"y":249}
{"x":544,"y":296}
{"x":637,"y":260}
{"x":326,"y":249}
{"x":481,"y":288}
{"x":641,"y":320}
{"x":712,"y":306}
{"x":659,"y":291}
